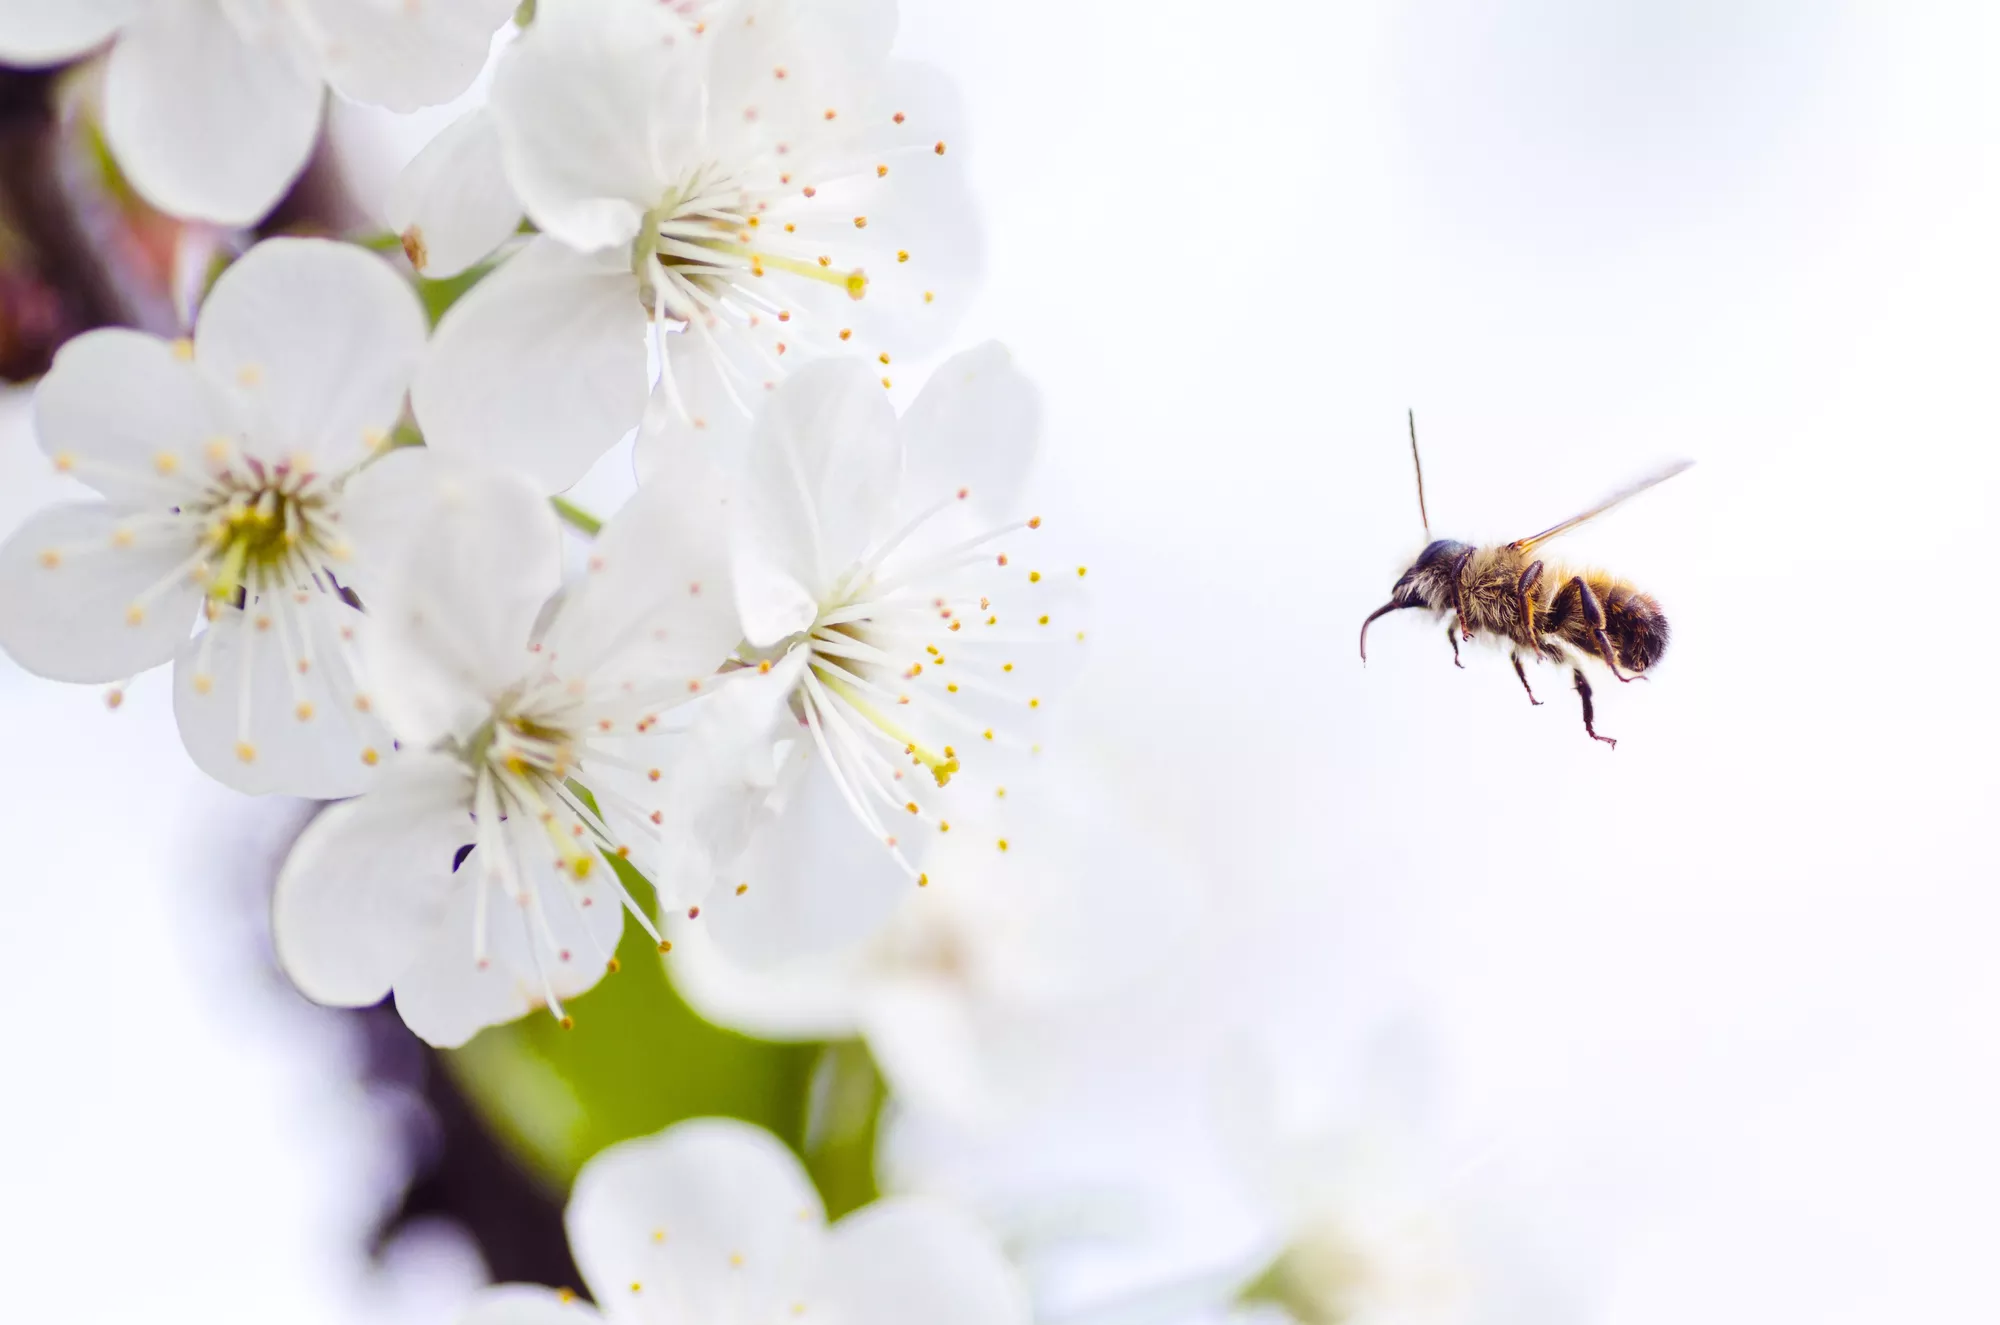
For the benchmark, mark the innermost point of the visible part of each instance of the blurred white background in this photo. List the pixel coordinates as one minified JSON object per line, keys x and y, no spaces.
{"x":1718,"y":1003}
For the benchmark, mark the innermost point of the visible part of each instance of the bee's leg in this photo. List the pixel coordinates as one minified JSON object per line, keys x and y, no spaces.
{"x":1451,"y":634}
{"x":1593,"y":619}
{"x":1524,"y":591}
{"x":1589,"y":713}
{"x":1520,"y":672}
{"x":1458,"y":591}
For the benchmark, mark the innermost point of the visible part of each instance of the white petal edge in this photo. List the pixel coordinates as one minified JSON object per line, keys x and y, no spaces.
{"x":366,"y":881}
{"x":452,"y":204}
{"x":321,"y":339}
{"x":202,"y":122}
{"x":541,"y":368}
{"x":728,"y":1202}
{"x":34,"y":33}
{"x":909,"y":1261}
{"x":527,"y":1304}
{"x":404,"y":57}
{"x":70,"y":596}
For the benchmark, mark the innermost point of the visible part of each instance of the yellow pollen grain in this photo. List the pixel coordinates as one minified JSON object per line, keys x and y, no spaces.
{"x":825,"y":260}
{"x":764,"y":666}
{"x":1034,"y":703}
{"x":1082,"y":571}
{"x":929,"y":297}
{"x":884,"y":358}
{"x":246,"y":752}
{"x":1003,"y":844}
{"x":1034,"y":577}
{"x":659,"y":1235}
{"x":880,"y":171}
{"x":911,"y":807}
{"x":1006,"y":667}
{"x":303,"y":712}
{"x":952,"y":687}
{"x":944,"y":825}
{"x":902,"y":255}
{"x":846,"y":333}
{"x":666,"y":945}
{"x":1000,"y":793}
{"x":988,"y":733}
{"x":887,"y":384}
{"x":923,"y":881}
{"x":565,"y":1296}
{"x":370,"y":757}
{"x":1035,"y":522}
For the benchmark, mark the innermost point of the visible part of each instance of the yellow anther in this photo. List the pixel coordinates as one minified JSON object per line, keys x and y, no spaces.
{"x":857,"y":285}
{"x":370,"y":757}
{"x":203,"y":683}
{"x":1034,"y":577}
{"x":1034,"y":703}
{"x":860,"y":223}
{"x":884,"y":358}
{"x":902,"y":255}
{"x":939,"y":149}
{"x":303,"y":712}
{"x":742,"y":888}
{"x":567,"y":1023}
{"x":249,"y":374}
{"x":50,"y":558}
{"x":952,"y":686}
{"x":1035,"y":522}
{"x":216,"y":449}
{"x":880,"y":171}
{"x":1003,"y":844}
{"x":944,"y":825}
{"x":988,"y":733}
{"x":246,"y":752}
{"x":1082,"y":571}
{"x":166,"y":462}
{"x":122,"y":537}
{"x":183,"y":349}
{"x":929,"y":297}
{"x":1042,"y":620}
{"x":764,"y":666}
{"x":135,"y":615}
{"x":1006,"y":667}
{"x":64,"y":462}
{"x":911,"y":807}
{"x":923,"y":881}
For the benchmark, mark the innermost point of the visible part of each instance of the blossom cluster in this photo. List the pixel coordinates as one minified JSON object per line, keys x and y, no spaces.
{"x":781,"y":711}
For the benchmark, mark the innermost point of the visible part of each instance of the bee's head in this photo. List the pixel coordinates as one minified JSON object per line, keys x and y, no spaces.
{"x":1427,"y":583}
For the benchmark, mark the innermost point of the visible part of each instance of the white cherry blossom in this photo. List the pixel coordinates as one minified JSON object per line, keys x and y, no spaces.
{"x":714,"y":1222}
{"x":535,"y":730}
{"x":904,"y":654}
{"x":212,"y":106}
{"x":758,"y":180}
{"x":966,"y":994}
{"x":238,"y":492}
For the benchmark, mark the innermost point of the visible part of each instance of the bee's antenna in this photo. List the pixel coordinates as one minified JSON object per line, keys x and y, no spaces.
{"x":1420,"y":476}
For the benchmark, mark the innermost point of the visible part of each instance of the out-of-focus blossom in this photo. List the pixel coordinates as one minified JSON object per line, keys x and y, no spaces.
{"x":531,"y":730}
{"x":760,"y":181}
{"x":212,"y":106}
{"x":715,"y":1221}
{"x":963,"y":997}
{"x":896,"y":643}
{"x":238,"y":490}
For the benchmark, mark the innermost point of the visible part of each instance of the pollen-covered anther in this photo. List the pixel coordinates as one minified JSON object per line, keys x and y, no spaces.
{"x":902,"y":255}
{"x":1034,"y":577}
{"x":764,"y":666}
{"x":370,"y":757}
{"x":860,"y":223}
{"x":923,"y":881}
{"x":742,"y":888}
{"x":1003,"y":844}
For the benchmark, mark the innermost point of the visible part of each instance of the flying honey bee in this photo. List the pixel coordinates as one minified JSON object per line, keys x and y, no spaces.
{"x":1541,"y":610}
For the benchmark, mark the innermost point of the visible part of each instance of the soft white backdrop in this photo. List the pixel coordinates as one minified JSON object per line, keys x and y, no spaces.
{"x":1718,"y":1003}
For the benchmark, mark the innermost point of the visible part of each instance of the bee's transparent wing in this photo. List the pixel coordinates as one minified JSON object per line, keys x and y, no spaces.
{"x":1622,"y":495}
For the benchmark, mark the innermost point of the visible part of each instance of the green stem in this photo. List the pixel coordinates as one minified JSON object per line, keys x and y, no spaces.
{"x":576,"y":517}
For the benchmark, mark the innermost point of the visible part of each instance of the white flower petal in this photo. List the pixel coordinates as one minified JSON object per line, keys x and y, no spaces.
{"x":77,"y":604}
{"x":820,"y":487}
{"x":444,"y":993}
{"x":366,"y":882}
{"x":908,"y":1261}
{"x":526,"y":1304}
{"x":975,"y":427}
{"x":817,"y":879}
{"x":925,"y":1037}
{"x":403,"y":55}
{"x":656,"y":605}
{"x":203,"y":121}
{"x":815,"y":998}
{"x":296,"y":733}
{"x":541,"y":368}
{"x":450,"y":629}
{"x":322,"y":338}
{"x":830,"y":51}
{"x":714,"y":1215}
{"x":452,"y":204}
{"x":597,"y":106}
{"x":39,"y":32}
{"x":390,"y":501}
{"x":127,"y":414}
